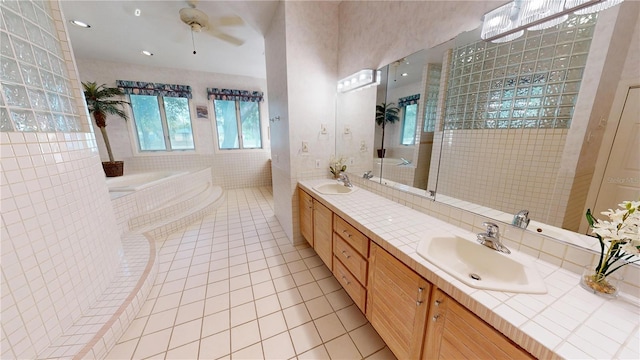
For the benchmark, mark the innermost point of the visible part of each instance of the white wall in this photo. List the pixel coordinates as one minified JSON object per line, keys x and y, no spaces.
{"x":310,"y":33}
{"x":230,"y":168}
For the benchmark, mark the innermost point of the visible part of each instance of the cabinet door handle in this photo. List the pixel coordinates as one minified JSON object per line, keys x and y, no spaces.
{"x":345,"y":232}
{"x":419,"y":297}
{"x":345,"y":279}
{"x":346,"y":254}
{"x":437,"y":302}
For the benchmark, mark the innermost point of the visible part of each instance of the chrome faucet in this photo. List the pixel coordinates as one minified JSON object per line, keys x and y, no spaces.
{"x":521,"y":219}
{"x":404,"y":161}
{"x":491,"y":238}
{"x":344,"y":179}
{"x":367,"y":175}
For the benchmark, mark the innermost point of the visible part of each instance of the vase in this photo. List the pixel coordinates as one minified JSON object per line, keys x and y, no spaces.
{"x":605,"y":286}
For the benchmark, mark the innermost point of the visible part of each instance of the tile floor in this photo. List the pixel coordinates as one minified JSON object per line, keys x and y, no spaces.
{"x":232,"y":287}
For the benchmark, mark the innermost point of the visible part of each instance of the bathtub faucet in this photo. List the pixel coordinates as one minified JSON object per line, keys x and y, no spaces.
{"x":367,"y":175}
{"x":404,"y":161}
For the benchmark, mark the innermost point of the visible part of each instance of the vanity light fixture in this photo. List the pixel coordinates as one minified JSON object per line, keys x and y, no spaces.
{"x":148,"y":53}
{"x":508,"y":22}
{"x":360,"y":80}
{"x":79,"y":23}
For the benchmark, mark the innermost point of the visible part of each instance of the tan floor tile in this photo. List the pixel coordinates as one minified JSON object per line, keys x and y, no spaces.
{"x":272,"y":324}
{"x":305,"y":337}
{"x":296,"y":315}
{"x":244,"y":335}
{"x":215,"y":346}
{"x":367,"y":340}
{"x":278,"y":347}
{"x":329,"y":327}
{"x":342,"y":348}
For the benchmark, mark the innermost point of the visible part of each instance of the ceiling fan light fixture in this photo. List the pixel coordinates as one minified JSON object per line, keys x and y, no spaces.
{"x":79,"y":23}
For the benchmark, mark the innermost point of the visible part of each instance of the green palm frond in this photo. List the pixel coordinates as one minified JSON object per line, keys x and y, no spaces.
{"x":386,"y":114}
{"x":98,"y":98}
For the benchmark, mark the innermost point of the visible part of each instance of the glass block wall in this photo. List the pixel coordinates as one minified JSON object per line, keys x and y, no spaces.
{"x":35,"y":88}
{"x":531,"y":82}
{"x":434,"y":72}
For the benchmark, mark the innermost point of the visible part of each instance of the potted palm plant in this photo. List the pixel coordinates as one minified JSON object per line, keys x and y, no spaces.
{"x":385,"y":114}
{"x":100,"y":103}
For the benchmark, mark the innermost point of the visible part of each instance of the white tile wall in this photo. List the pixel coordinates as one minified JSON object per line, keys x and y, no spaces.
{"x":60,"y":242}
{"x":480,"y":171}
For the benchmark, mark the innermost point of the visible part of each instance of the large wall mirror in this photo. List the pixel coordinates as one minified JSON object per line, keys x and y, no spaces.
{"x":499,"y":128}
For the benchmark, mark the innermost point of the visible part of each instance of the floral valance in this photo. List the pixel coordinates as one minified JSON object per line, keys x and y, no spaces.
{"x":235,"y":95}
{"x":408,"y":100}
{"x":156,"y":89}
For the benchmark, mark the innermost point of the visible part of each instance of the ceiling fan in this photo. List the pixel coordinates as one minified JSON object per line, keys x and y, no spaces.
{"x":198,"y":21}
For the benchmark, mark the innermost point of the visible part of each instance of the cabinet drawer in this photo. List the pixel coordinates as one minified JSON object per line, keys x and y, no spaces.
{"x":353,"y":237}
{"x":350,"y":258}
{"x":350,"y":284}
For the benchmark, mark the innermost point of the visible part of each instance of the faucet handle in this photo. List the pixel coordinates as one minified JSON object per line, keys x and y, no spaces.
{"x":492,"y":228}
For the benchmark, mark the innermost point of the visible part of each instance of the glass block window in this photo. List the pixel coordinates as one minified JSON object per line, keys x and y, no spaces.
{"x":35,"y":90}
{"x":531,"y":82}
{"x":434,"y":72}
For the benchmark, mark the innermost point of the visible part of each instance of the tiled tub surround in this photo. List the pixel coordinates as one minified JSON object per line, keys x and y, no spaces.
{"x":567,"y":322}
{"x":149,"y":214}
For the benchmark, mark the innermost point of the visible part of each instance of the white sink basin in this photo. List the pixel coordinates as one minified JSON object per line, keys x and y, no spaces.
{"x":334,"y":189}
{"x":481,"y":267}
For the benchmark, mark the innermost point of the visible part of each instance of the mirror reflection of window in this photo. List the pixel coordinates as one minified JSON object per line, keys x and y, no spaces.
{"x":410,"y":114}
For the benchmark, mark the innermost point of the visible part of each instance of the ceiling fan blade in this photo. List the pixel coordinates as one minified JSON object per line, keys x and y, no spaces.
{"x":226,"y":37}
{"x":230,"y":21}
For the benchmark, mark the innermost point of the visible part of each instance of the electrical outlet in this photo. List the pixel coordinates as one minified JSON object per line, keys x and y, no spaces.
{"x":305,"y":147}
{"x":323,"y":129}
{"x":363,"y":146}
{"x":347,"y":129}
{"x":351,"y":161}
{"x":318,"y":164}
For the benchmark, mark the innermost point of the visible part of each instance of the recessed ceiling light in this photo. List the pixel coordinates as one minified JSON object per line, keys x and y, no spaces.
{"x":137,"y":12}
{"x":404,"y":74}
{"x":80,"y":24}
{"x":148,"y":53}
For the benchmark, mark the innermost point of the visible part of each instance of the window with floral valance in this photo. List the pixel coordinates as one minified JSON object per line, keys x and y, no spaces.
{"x":409,"y":105}
{"x":408,"y":100}
{"x":154,"y":89}
{"x":235,"y":95}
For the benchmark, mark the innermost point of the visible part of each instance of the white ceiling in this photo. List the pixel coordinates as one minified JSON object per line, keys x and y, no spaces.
{"x":116,"y":34}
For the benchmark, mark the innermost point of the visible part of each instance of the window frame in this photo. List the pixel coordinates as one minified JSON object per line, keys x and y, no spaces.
{"x":165,"y":127}
{"x":238,"y":127}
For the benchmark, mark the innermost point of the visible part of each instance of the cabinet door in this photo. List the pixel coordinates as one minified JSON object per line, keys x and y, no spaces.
{"x":397,"y":303}
{"x":305,"y":204}
{"x":322,"y":231}
{"x":456,"y":333}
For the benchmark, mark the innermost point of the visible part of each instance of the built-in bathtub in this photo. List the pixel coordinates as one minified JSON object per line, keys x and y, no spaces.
{"x":135,"y":182}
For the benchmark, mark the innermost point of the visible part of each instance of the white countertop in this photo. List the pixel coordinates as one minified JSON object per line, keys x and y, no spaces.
{"x":567,"y":322}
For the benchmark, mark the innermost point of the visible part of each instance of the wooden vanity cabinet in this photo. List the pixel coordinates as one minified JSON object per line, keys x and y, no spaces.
{"x":397,"y":303}
{"x":305,"y":205}
{"x":454,"y":332}
{"x":316,"y":226}
{"x":350,"y":252}
{"x":322,"y":232}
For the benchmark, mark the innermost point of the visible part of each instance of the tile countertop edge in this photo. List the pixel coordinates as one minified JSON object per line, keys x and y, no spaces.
{"x":454,"y":288}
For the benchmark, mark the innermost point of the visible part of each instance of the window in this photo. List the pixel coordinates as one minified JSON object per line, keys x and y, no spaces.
{"x":409,"y":124}
{"x":238,"y":124}
{"x":162,"y":123}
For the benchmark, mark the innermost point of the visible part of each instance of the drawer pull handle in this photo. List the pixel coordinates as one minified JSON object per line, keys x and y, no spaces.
{"x":437,"y":302}
{"x":345,"y":254}
{"x":345,"y":232}
{"x":346,"y":280}
{"x":435,"y":317}
{"x":418,"y":301}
